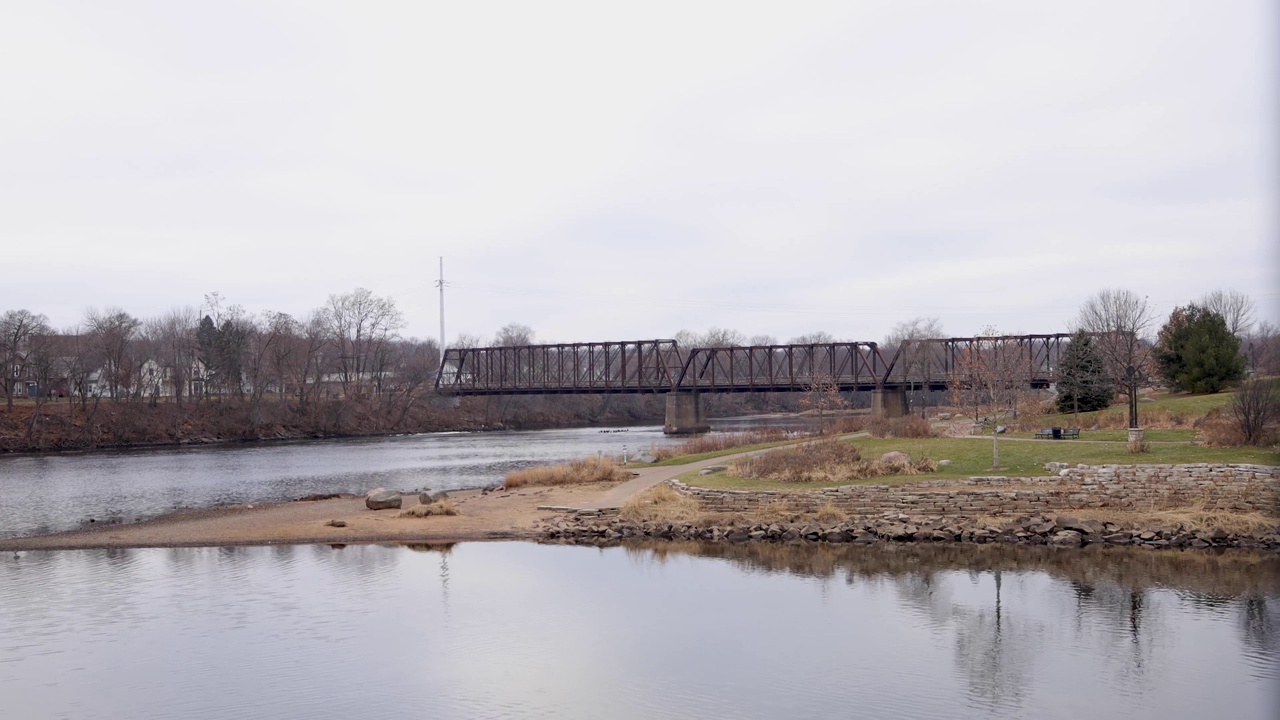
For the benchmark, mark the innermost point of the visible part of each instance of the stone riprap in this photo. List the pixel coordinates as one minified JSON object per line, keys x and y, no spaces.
{"x":1062,"y":531}
{"x":1028,"y":510}
{"x":1236,"y":488}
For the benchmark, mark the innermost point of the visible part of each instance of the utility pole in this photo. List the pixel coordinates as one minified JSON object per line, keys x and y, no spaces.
{"x":440,"y":284}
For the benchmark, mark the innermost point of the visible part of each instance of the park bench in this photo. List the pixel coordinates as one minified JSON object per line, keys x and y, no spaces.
{"x":1058,"y":434}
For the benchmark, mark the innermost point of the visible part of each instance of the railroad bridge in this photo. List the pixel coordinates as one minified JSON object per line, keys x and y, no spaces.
{"x":683,"y":374}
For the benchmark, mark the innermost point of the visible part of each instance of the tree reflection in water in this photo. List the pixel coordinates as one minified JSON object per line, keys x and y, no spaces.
{"x":1115,"y":591}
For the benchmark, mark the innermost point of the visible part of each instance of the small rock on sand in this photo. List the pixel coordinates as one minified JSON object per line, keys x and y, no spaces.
{"x":337,"y":523}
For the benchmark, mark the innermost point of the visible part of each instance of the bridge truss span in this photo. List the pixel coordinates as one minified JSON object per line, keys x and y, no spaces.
{"x":784,"y":368}
{"x":641,"y":366}
{"x":661,"y":366}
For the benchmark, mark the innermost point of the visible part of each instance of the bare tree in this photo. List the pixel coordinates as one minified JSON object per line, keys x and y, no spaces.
{"x":1262,"y":349}
{"x":913,"y":355}
{"x":175,"y":347}
{"x":992,"y":374}
{"x":1234,"y":306}
{"x":111,"y":333}
{"x":514,"y":335}
{"x":1121,"y":321}
{"x":358,"y":323}
{"x":17,"y":328}
{"x":813,"y":338}
{"x":1255,"y":408}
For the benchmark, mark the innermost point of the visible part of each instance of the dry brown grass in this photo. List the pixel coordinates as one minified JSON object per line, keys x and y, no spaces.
{"x":715,"y":442}
{"x":661,"y":502}
{"x":829,"y":514}
{"x":910,"y":426}
{"x":1195,"y":517}
{"x":439,"y":507}
{"x":1137,"y":447}
{"x":584,"y":470}
{"x":825,"y":461}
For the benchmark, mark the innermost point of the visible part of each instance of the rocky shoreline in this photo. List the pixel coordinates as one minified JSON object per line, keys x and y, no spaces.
{"x":1059,"y":531}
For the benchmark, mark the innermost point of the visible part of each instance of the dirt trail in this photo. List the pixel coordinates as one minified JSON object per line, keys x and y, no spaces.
{"x":483,"y":515}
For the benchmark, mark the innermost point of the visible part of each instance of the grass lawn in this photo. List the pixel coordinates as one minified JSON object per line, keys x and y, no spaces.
{"x":972,"y":456}
{"x":1183,"y":435}
{"x":1190,"y":406}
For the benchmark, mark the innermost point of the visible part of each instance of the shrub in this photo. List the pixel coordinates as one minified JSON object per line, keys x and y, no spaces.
{"x":1255,"y":409}
{"x":910,"y":426}
{"x":585,"y":470}
{"x":715,"y":442}
{"x":846,"y":424}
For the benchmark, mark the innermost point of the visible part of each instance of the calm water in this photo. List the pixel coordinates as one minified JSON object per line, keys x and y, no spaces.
{"x":49,"y":493}
{"x":521,"y":630}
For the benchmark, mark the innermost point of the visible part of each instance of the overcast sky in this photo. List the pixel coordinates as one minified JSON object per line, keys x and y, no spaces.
{"x":605,"y":171}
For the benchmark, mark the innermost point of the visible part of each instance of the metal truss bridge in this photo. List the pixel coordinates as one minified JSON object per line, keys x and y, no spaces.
{"x":661,"y":366}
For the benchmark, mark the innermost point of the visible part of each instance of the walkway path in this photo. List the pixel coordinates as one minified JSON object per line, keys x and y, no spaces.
{"x":647,"y":477}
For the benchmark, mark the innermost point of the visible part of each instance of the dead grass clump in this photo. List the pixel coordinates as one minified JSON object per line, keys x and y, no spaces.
{"x":828,"y":461}
{"x":829,"y":514}
{"x":439,"y":507}
{"x":1195,"y":516}
{"x":661,"y":503}
{"x":910,"y":426}
{"x":1137,"y":447}
{"x":715,"y":442}
{"x":584,"y":470}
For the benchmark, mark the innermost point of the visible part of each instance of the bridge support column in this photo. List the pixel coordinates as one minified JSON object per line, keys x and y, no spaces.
{"x":684,"y":414}
{"x":888,"y":402}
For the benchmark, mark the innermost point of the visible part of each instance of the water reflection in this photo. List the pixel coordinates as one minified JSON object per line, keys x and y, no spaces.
{"x":667,"y":630}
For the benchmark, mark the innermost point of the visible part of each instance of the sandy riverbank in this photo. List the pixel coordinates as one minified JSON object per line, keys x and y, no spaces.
{"x":483,"y":516}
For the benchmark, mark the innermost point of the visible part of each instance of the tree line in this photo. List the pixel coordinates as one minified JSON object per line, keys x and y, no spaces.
{"x":346,"y":364}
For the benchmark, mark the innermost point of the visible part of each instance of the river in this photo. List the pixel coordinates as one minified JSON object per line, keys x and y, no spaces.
{"x":519,"y":630}
{"x":62,"y":491}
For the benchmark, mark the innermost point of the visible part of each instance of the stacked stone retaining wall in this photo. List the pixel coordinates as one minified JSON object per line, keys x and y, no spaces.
{"x":1234,"y":487}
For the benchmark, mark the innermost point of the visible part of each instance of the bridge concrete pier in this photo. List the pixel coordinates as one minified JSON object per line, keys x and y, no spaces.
{"x":684,"y":414}
{"x":889,"y":402}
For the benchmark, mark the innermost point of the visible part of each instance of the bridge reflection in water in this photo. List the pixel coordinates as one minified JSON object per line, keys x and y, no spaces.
{"x":663,"y":367}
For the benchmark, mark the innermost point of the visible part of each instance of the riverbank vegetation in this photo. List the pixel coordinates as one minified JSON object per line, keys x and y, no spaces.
{"x":972,"y":456}
{"x":575,"y":472}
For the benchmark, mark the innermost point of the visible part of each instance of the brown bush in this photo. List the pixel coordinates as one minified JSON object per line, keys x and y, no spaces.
{"x":825,"y":461}
{"x":715,"y":442}
{"x":1219,"y":431}
{"x":585,"y":470}
{"x":910,"y":426}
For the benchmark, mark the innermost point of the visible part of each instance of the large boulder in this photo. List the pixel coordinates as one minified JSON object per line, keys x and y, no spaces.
{"x":382,"y":499}
{"x":895,"y":458}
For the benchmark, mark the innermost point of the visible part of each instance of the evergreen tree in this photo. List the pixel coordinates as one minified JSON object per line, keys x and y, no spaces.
{"x":1083,"y":382}
{"x":1196,"y":351}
